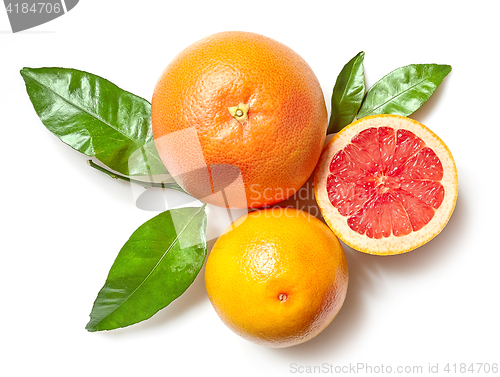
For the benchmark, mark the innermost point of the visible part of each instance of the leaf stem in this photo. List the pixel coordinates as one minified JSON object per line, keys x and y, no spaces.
{"x":173,"y":186}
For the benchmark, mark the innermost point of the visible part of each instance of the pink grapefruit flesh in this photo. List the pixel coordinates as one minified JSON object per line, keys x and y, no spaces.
{"x":386,"y":184}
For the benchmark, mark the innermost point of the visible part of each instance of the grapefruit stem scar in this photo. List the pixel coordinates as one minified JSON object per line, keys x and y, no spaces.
{"x":240,"y":112}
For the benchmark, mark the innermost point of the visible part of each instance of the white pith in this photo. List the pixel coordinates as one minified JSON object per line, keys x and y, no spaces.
{"x":392,"y":244}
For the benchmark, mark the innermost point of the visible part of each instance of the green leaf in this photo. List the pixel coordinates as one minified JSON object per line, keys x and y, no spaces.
{"x":403,"y":90}
{"x":154,"y":267}
{"x":348,"y":94}
{"x":95,"y":117}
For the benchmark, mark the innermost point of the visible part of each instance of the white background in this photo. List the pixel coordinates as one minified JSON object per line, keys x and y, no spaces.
{"x":64,"y":223}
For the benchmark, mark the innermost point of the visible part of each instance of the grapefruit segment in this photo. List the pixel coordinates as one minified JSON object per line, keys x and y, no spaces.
{"x":347,"y":196}
{"x":386,"y":184}
{"x":387,"y":145}
{"x":364,"y":150}
{"x":418,"y":212}
{"x":345,"y":166}
{"x":424,"y":165}
{"x":430,"y":192}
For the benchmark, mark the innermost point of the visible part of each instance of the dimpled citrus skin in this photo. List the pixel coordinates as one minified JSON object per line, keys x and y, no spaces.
{"x":273,"y":253}
{"x":275,"y":150}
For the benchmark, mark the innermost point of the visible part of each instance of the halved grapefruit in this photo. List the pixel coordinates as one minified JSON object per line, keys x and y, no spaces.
{"x":386,"y":184}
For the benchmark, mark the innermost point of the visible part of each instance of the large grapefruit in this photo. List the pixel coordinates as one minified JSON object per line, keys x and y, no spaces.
{"x":239,"y":120}
{"x":386,"y":184}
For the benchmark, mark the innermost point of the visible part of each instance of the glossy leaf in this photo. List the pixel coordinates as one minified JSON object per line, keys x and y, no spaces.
{"x":403,"y":90}
{"x":95,"y":117}
{"x":155,"y":266}
{"x":348,"y":94}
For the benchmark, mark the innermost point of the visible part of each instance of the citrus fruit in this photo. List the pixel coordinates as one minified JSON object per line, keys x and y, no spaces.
{"x":277,"y":276}
{"x":386,"y":184}
{"x":239,"y":120}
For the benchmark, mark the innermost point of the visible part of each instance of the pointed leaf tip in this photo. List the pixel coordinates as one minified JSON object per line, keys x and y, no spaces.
{"x":154,"y":267}
{"x":348,"y":94}
{"x":95,"y":117}
{"x":404,"y":90}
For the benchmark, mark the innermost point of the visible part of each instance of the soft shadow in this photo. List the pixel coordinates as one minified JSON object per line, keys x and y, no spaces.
{"x":189,"y":301}
{"x":364,"y":272}
{"x":158,"y":199}
{"x":151,"y":200}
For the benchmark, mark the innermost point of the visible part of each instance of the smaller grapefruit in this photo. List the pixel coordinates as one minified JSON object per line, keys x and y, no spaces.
{"x":386,"y":184}
{"x":277,"y":276}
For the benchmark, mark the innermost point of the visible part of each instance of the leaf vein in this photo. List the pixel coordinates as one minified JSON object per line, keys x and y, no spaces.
{"x":401,"y":93}
{"x":158,"y":263}
{"x":96,"y":116}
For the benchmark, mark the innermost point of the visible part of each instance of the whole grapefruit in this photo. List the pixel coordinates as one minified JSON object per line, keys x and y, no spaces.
{"x":239,"y":120}
{"x":277,"y":276}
